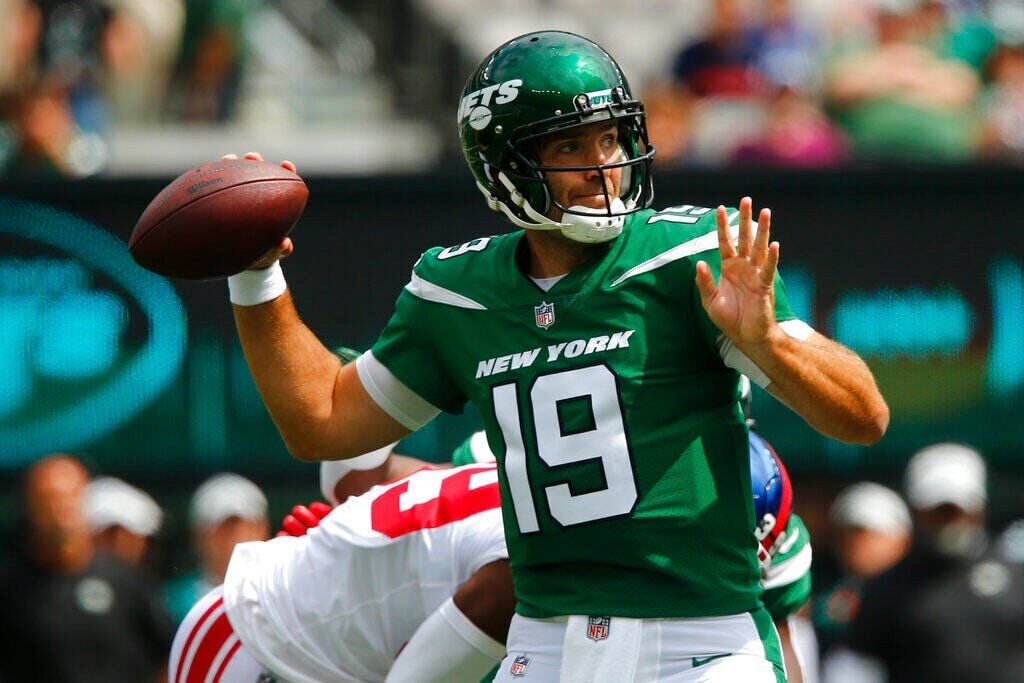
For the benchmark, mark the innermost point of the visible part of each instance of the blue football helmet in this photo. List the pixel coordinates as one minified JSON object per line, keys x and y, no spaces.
{"x":773,"y":498}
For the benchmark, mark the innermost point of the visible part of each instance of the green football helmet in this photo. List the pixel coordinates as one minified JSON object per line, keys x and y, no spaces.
{"x":537,"y":84}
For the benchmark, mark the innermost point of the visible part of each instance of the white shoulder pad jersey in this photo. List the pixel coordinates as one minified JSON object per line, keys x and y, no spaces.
{"x":339,"y":603}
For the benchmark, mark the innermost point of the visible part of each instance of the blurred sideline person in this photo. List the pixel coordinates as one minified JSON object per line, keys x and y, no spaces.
{"x":225,"y":510}
{"x":602,"y":346}
{"x":68,"y":612}
{"x":406,"y":582}
{"x":871,"y":531}
{"x":952,"y":609}
{"x":123,"y":519}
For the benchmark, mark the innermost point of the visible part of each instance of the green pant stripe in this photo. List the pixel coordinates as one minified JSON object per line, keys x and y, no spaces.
{"x":770,"y":640}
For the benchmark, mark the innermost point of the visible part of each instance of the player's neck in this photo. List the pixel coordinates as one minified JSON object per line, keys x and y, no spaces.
{"x":549,"y":254}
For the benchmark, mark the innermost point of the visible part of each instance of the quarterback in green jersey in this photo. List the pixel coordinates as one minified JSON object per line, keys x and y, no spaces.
{"x":601,"y":344}
{"x":784,"y":554}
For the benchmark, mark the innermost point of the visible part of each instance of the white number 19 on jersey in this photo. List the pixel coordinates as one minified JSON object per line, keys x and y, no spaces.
{"x":605,"y":441}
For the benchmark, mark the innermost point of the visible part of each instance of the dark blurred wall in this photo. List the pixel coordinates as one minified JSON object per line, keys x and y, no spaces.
{"x":917,"y":269}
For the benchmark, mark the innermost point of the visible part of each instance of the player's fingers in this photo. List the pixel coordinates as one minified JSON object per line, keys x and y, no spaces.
{"x":746,"y":230}
{"x":287,"y":165}
{"x":705,"y":283}
{"x":228,"y":156}
{"x":319,"y":509}
{"x":286,"y":247}
{"x":281,"y":533}
{"x":293,"y":527}
{"x":303,"y":514}
{"x":254,"y":156}
{"x":771,"y":264}
{"x":724,"y":238}
{"x":283,"y":250}
{"x":764,"y":229}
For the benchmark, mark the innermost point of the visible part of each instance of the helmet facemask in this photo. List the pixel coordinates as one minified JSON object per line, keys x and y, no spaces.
{"x":526,"y":181}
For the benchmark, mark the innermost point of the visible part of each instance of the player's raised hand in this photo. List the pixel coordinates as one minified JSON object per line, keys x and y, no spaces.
{"x":285,"y":247}
{"x":742,"y":303}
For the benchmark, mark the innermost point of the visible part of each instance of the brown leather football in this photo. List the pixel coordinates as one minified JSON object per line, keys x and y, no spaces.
{"x":218,"y":219}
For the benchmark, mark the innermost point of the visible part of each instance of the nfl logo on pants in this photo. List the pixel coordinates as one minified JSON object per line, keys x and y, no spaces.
{"x":598,"y":628}
{"x":519,"y":665}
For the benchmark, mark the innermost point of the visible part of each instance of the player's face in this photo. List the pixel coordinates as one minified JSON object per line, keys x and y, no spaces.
{"x":54,"y":501}
{"x":867,"y":553}
{"x":217,"y":542}
{"x":591,"y":145}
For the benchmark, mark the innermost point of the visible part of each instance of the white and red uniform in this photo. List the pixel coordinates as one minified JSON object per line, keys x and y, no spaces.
{"x":339,"y":603}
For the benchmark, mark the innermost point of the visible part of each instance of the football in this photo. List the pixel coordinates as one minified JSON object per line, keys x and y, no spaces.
{"x":218,"y":219}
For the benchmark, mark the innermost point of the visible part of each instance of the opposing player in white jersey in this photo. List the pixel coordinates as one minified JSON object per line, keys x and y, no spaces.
{"x":408,"y":582}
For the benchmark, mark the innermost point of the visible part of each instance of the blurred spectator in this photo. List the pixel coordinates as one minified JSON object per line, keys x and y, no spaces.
{"x":716,"y":88}
{"x":123,"y":519}
{"x":54,"y":106}
{"x":212,"y":59}
{"x":870,"y":532}
{"x":68,"y":612}
{"x":952,"y":609}
{"x":898,"y":99}
{"x":724,"y":62}
{"x":40,"y":132}
{"x":146,"y":38}
{"x":1002,"y":103}
{"x":787,"y":50}
{"x":72,"y":56}
{"x":1011,"y":542}
{"x":956,"y":29}
{"x":20,"y":26}
{"x":225,"y":510}
{"x":796,"y":134}
{"x":746,"y":92}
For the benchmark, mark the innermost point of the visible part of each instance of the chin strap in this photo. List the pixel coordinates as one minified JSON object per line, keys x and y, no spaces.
{"x":599,"y":227}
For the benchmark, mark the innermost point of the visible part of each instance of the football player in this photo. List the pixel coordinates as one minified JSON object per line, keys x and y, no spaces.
{"x":408,"y":582}
{"x":783,"y":553}
{"x":601,"y":343}
{"x":784,"y":544}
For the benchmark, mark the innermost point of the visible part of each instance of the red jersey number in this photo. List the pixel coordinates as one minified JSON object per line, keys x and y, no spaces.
{"x":453,"y":500}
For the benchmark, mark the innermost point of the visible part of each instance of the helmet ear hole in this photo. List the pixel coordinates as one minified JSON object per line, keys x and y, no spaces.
{"x":484,"y":138}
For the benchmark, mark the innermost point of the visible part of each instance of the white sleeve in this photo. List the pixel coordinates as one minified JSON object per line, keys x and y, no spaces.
{"x":394,"y":398}
{"x":447,"y":647}
{"x":737,"y":360}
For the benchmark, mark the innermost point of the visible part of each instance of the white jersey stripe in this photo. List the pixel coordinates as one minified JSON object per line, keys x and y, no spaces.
{"x":198,"y":638}
{"x":673,"y":219}
{"x":219,"y":661}
{"x":790,"y":570}
{"x":428,"y":291}
{"x":397,"y":400}
{"x":689,"y":248}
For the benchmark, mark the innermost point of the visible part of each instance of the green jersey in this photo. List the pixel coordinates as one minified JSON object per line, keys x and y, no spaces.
{"x":622,"y":450}
{"x":787,"y":583}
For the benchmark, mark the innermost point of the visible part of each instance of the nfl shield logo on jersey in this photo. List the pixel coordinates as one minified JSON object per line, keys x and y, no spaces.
{"x":598,"y":628}
{"x":519,"y":666}
{"x":545,"y":314}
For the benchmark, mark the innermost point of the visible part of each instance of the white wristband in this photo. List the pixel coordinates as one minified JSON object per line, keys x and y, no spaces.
{"x":254,"y":287}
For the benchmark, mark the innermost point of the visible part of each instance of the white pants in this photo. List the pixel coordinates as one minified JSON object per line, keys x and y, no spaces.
{"x":714,"y":649}
{"x":206,"y":649}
